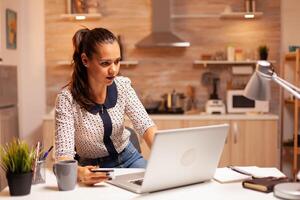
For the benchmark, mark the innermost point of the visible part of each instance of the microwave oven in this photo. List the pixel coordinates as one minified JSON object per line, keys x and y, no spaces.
{"x":238,"y":103}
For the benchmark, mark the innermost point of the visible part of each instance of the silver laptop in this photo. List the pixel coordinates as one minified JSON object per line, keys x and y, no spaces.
{"x":178,"y":157}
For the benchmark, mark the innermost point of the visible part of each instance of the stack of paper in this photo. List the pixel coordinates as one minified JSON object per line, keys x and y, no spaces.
{"x":227,"y":175}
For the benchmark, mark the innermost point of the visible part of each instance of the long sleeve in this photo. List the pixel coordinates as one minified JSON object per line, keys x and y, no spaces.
{"x":64,"y":126}
{"x":135,"y":110}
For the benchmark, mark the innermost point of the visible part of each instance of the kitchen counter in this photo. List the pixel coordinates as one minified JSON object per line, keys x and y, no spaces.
{"x":205,"y":116}
{"x":200,"y":116}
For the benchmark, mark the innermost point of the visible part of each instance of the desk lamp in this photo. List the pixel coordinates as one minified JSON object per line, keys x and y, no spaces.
{"x":258,"y":88}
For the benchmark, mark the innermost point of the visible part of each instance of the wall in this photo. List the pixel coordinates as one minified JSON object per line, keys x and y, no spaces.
{"x":290,"y":28}
{"x":161,"y":70}
{"x":9,"y":55}
{"x":30,"y":60}
{"x":32,"y":85}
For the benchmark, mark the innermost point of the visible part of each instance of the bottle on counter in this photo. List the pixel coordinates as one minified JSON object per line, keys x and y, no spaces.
{"x":230,"y":53}
{"x":239,"y":55}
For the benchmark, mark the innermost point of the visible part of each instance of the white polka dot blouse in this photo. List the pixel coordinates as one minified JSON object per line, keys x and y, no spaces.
{"x":77,"y":127}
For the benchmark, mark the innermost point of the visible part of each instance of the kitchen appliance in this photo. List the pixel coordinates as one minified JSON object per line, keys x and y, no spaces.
{"x":173,"y":102}
{"x":161,"y":34}
{"x":215,"y":105}
{"x":8,"y":109}
{"x":238,"y":103}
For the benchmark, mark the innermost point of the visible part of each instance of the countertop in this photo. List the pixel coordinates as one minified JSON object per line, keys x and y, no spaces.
{"x":204,"y":116}
{"x":200,"y":116}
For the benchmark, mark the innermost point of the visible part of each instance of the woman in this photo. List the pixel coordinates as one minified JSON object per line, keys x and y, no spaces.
{"x":90,"y":110}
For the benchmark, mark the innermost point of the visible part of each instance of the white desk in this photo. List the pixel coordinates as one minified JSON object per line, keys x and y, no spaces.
{"x":209,"y":190}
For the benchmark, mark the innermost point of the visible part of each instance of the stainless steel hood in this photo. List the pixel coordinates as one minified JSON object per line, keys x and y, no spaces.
{"x":161,"y":35}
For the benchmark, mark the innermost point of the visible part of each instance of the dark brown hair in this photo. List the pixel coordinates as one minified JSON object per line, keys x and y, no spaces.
{"x":86,"y":41}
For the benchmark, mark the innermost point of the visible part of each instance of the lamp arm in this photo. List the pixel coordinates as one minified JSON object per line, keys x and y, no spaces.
{"x":289,"y":84}
{"x":286,"y":85}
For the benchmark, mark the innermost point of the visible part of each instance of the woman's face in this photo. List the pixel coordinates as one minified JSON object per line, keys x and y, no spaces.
{"x":104,"y":66}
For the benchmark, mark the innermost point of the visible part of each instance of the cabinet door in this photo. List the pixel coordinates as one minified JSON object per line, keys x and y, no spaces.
{"x":8,"y":131}
{"x":225,"y":157}
{"x":168,"y":124}
{"x":254,"y":143}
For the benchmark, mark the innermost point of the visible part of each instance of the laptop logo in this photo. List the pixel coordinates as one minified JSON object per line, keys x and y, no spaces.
{"x":188,"y":157}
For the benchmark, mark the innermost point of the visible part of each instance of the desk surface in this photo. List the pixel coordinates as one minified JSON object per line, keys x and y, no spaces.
{"x":103,"y":191}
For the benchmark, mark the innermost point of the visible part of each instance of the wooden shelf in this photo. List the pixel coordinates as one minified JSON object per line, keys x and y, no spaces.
{"x":63,"y":63}
{"x":241,"y":15}
{"x":223,"y":15}
{"x":291,"y":148}
{"x":124,"y":63}
{"x":291,"y":56}
{"x":205,"y":63}
{"x":81,"y":16}
{"x":291,"y":102}
{"x":194,"y":16}
{"x":128,"y":63}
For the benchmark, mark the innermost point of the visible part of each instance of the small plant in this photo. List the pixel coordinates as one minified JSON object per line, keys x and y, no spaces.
{"x":16,"y":157}
{"x":263,"y":52}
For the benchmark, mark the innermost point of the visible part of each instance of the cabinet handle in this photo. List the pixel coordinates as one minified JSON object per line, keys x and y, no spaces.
{"x":235,"y":132}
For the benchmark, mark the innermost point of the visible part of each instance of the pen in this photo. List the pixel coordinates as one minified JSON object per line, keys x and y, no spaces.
{"x":239,"y":170}
{"x":46,"y":153}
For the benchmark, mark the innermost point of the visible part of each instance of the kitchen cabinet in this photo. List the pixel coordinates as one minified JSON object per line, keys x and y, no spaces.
{"x":254,"y":143}
{"x":249,"y":142}
{"x":8,"y":131}
{"x":225,"y":157}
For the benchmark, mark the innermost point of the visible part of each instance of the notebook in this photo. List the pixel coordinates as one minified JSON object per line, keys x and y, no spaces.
{"x":264,"y":184}
{"x":227,"y":175}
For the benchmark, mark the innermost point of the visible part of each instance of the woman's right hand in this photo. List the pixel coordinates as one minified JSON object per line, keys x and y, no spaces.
{"x":86,"y":176}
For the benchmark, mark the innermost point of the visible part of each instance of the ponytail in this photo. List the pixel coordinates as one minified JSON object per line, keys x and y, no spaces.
{"x":86,"y":41}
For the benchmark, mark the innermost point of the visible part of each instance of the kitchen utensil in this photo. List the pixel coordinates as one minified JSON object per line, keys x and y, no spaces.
{"x":173,"y":101}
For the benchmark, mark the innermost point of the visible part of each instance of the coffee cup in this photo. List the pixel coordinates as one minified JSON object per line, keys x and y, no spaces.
{"x":66,"y":174}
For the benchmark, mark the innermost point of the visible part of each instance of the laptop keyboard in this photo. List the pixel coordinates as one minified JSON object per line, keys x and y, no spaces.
{"x":137,"y":182}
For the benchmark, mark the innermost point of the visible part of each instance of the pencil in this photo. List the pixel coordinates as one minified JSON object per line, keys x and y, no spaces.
{"x":36,"y":159}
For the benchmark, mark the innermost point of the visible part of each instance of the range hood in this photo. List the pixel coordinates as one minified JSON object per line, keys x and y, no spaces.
{"x":161,"y":35}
